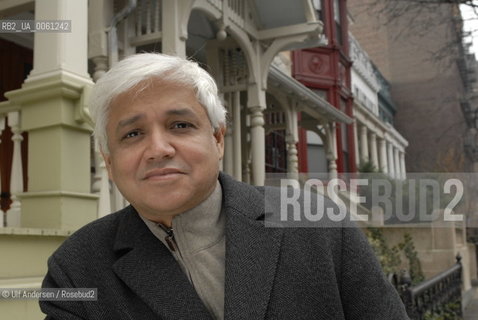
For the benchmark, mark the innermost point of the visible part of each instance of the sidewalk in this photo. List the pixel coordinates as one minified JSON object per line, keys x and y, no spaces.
{"x":471,"y":311}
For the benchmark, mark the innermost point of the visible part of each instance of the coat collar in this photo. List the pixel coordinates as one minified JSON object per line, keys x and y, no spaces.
{"x":252,"y":252}
{"x":147,"y":267}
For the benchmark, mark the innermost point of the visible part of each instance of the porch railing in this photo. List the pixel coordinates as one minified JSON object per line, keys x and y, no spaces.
{"x":10,"y":209}
{"x":443,"y":291}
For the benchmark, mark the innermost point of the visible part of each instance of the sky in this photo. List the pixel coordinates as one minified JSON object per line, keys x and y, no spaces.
{"x":470,"y":18}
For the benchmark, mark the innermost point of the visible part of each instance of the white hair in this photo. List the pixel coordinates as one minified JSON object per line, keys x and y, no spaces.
{"x":135,"y":70}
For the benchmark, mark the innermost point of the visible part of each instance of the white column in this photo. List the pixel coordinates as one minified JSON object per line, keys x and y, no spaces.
{"x":258,"y":146}
{"x":373,"y":149}
{"x":383,"y":155}
{"x":228,"y":164}
{"x":292,"y":159}
{"x":331,"y":156}
{"x":101,"y":66}
{"x":16,"y":177}
{"x":397,"y":164}
{"x":100,"y":13}
{"x":245,"y":146}
{"x":402,"y":165}
{"x":292,"y":134}
{"x":102,"y":184}
{"x":391,"y":164}
{"x":236,"y":134}
{"x":55,"y":51}
{"x":174,"y":33}
{"x":363,"y":144}
{"x":256,"y":104}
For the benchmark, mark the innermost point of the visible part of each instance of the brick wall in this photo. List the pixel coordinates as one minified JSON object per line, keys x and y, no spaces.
{"x":425,"y":88}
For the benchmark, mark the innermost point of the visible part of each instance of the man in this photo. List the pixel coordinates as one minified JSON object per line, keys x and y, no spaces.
{"x":193,"y":243}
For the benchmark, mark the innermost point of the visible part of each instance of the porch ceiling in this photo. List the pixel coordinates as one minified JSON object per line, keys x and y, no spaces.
{"x":24,"y":39}
{"x":310,"y":103}
{"x":12,"y":7}
{"x":279,"y":13}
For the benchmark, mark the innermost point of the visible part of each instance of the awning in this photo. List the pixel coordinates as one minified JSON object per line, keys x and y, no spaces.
{"x":310,"y":102}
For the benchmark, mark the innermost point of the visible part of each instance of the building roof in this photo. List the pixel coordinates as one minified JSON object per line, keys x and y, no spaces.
{"x":310,"y":102}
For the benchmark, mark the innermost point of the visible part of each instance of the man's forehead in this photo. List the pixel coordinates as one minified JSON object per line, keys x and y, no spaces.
{"x":153,"y":88}
{"x":150,"y":87}
{"x":127,"y":108}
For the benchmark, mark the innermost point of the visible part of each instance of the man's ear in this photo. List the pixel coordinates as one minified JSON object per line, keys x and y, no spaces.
{"x":107,"y":158}
{"x":219,"y":136}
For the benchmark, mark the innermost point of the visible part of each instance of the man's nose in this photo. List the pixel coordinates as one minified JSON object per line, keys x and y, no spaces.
{"x":159,"y":146}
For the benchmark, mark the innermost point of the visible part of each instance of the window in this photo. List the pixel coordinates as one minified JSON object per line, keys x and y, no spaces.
{"x":321,"y":93}
{"x":276,"y":152}
{"x":337,"y":20}
{"x":319,"y":9}
{"x":316,"y":158}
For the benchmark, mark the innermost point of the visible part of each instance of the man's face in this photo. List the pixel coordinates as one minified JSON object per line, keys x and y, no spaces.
{"x":164,"y":154}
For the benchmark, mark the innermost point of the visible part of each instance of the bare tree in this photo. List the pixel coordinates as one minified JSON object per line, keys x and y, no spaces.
{"x":420,"y":18}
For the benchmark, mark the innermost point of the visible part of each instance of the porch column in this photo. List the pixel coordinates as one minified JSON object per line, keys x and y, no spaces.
{"x":100,"y":13}
{"x":291,"y":140}
{"x":228,"y":141}
{"x":331,"y":153}
{"x":398,"y":173}
{"x":383,"y":155}
{"x":245,"y":147}
{"x":236,"y":134}
{"x":256,"y":104}
{"x":363,"y":144}
{"x":373,"y":149}
{"x":174,"y":29}
{"x":402,"y":165}
{"x":391,"y":164}
{"x":16,"y":175}
{"x":53,"y":103}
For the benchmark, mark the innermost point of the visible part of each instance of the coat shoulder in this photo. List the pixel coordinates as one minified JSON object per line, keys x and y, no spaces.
{"x":95,"y":237}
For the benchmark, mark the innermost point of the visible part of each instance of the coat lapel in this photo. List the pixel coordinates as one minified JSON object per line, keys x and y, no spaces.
{"x":252,"y":252}
{"x":148,"y":268}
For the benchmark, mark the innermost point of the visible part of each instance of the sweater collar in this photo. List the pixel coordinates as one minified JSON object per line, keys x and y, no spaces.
{"x":197,"y":228}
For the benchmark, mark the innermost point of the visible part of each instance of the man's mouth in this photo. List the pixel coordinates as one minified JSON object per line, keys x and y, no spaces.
{"x":162,"y":174}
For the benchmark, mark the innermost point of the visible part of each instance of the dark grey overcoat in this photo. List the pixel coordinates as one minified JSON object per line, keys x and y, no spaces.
{"x":271,"y":273}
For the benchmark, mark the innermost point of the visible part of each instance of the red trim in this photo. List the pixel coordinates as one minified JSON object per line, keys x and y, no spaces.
{"x":334,"y":77}
{"x":302,"y":148}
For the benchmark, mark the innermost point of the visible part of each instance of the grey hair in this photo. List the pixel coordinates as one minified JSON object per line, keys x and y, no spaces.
{"x":135,"y":70}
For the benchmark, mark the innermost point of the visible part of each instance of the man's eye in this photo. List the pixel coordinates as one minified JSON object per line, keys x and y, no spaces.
{"x":182,"y":125}
{"x":131,"y":134}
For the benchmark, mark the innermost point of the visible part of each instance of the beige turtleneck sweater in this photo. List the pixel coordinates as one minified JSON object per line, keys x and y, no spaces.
{"x":199,"y":247}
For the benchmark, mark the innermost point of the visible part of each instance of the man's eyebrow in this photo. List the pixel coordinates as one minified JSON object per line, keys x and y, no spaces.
{"x":128,"y":121}
{"x":181,"y":112}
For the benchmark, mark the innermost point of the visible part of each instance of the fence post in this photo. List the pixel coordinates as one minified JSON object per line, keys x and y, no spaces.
{"x":406,"y":293}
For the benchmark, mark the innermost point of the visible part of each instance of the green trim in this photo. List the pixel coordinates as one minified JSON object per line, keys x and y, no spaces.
{"x":36,"y":232}
{"x":8,"y":106}
{"x":21,"y":283}
{"x":39,"y":194}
